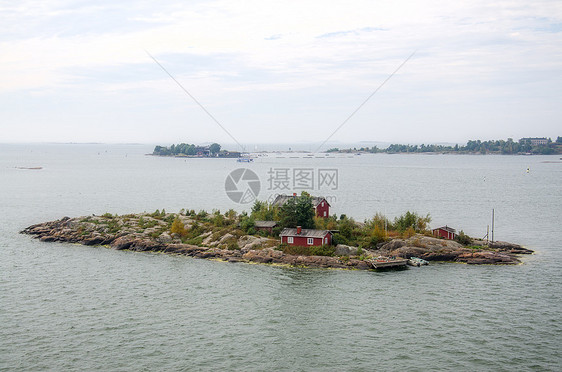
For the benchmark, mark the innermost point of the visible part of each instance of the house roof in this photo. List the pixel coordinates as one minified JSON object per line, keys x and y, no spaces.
{"x":305,"y":233}
{"x":447,"y":228}
{"x":265,"y":223}
{"x":282,"y":199}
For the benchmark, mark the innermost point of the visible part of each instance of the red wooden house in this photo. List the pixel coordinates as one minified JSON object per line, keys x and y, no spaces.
{"x":305,"y":237}
{"x":320,"y":204}
{"x":445,"y":232}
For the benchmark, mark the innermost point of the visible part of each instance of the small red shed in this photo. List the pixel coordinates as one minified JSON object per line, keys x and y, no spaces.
{"x":265,"y":226}
{"x":445,"y":232}
{"x":305,"y":237}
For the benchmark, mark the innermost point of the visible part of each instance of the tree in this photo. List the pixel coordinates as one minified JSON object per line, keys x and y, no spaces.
{"x":288,"y":213}
{"x":411,"y":220}
{"x":298,"y":212}
{"x":305,"y":211}
{"x":178,"y":227}
{"x":264,"y":211}
{"x":215,"y":148}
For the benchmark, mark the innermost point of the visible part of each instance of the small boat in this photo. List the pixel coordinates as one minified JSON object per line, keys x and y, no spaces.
{"x":245,"y":160}
{"x":415,"y":261}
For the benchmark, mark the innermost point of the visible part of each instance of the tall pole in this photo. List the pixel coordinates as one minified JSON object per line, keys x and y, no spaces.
{"x":492,"y":225}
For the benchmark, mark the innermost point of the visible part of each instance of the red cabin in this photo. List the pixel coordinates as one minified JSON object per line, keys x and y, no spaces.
{"x":306,"y":237}
{"x":321,"y":206}
{"x":445,"y":232}
{"x":265,"y":226}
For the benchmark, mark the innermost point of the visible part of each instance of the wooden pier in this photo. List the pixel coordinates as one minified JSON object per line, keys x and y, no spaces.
{"x":388,"y":262}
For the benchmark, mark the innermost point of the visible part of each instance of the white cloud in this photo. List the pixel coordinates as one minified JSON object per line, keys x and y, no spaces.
{"x":255,"y":52}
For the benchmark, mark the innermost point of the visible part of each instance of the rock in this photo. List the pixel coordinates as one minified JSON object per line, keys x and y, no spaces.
{"x":345,"y":250}
{"x":165,"y":237}
{"x":360,"y":265}
{"x":123,"y":242}
{"x":445,"y":255}
{"x":207,"y":238}
{"x":225,"y":237}
{"x":94,"y":239}
{"x":433,"y":244}
{"x":407,"y":252}
{"x":503,"y":245}
{"x":205,"y":254}
{"x":392,"y":245}
{"x":491,"y":258}
{"x":510,"y":248}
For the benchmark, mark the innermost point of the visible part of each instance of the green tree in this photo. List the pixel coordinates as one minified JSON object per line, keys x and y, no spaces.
{"x":345,"y":226}
{"x":288,"y":213}
{"x":305,"y":211}
{"x":215,"y":148}
{"x":264,"y":211}
{"x":298,"y":212}
{"x":412,"y":220}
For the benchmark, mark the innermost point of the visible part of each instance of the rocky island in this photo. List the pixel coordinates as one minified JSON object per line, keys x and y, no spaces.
{"x":232,"y":237}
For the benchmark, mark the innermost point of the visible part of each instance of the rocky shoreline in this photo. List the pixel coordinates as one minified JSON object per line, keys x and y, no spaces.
{"x":146,"y":233}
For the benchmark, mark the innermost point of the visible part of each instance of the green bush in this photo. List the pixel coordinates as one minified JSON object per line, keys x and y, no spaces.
{"x":323,"y":250}
{"x":463,"y":239}
{"x":339,"y":239}
{"x":194,"y":241}
{"x":299,"y":250}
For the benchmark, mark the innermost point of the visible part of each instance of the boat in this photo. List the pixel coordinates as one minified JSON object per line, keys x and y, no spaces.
{"x":245,"y":160}
{"x":415,"y":261}
{"x":388,"y":262}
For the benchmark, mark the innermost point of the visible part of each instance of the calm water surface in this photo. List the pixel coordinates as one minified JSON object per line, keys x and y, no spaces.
{"x":70,"y":307}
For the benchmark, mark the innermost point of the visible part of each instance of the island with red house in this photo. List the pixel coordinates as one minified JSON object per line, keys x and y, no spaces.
{"x":294,"y":230}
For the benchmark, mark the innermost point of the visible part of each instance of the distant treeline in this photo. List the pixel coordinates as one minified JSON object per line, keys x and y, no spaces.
{"x":524,"y":146}
{"x":186,"y":149}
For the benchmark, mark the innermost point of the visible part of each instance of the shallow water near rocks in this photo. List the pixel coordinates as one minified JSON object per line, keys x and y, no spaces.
{"x":72,"y":307}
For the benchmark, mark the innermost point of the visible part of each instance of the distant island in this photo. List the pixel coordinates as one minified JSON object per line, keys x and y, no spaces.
{"x":525,"y":146}
{"x":194,"y":151}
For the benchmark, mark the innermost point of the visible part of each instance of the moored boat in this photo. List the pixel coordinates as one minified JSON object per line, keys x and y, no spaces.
{"x":415,"y":261}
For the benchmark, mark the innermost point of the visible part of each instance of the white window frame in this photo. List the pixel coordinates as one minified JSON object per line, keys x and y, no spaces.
{"x":310,"y":241}
{"x":290,"y":240}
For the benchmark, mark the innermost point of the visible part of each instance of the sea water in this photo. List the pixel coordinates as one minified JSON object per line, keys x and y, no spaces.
{"x":72,"y":307}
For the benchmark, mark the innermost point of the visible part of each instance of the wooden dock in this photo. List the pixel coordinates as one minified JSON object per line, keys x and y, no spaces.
{"x":387,"y":262}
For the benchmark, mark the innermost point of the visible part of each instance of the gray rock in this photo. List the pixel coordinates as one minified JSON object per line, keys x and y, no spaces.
{"x":345,"y":250}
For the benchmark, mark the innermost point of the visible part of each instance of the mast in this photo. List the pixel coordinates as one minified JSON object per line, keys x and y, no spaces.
{"x":492,"y":225}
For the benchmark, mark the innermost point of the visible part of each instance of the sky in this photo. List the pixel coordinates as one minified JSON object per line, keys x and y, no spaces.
{"x":279,"y":71}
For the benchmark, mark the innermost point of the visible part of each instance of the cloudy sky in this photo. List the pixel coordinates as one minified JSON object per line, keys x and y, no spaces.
{"x":279,"y":71}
